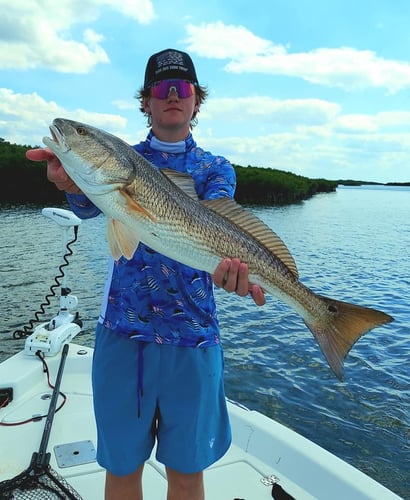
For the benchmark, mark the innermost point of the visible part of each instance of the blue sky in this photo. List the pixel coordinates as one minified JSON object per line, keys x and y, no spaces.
{"x":320,"y":88}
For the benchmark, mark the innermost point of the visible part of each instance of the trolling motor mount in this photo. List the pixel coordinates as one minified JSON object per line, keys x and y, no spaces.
{"x":50,"y":337}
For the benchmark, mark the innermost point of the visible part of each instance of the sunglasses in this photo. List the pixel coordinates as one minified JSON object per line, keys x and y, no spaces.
{"x":163,"y":88}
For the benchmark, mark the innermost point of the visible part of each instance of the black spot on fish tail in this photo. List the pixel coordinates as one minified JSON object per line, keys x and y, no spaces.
{"x":337,"y":331}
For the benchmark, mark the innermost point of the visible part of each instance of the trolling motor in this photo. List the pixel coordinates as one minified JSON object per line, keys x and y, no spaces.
{"x":50,"y":337}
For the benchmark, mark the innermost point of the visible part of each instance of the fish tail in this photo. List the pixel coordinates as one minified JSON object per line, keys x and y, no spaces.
{"x":339,"y":329}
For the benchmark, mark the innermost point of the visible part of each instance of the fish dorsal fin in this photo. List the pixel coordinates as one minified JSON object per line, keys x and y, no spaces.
{"x":251,"y":224}
{"x":121,"y":240}
{"x":183,"y":181}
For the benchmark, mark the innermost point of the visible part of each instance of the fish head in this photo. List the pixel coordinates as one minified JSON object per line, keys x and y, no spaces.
{"x":98,"y":162}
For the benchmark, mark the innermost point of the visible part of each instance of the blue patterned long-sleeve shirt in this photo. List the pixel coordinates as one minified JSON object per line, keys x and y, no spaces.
{"x":151,"y":297}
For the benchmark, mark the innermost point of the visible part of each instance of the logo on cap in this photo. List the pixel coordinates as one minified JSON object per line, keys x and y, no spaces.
{"x":170,"y":61}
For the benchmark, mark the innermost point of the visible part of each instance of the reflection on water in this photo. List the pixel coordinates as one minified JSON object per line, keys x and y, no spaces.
{"x":351,"y":245}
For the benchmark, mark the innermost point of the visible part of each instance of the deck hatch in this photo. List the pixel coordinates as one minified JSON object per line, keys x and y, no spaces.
{"x":72,"y":454}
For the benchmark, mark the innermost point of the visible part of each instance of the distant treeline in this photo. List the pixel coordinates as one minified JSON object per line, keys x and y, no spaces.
{"x":23,"y":181}
{"x":267,"y":186}
{"x":349,"y":182}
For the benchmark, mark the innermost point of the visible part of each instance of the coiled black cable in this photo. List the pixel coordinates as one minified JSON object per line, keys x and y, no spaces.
{"x":28,"y":329}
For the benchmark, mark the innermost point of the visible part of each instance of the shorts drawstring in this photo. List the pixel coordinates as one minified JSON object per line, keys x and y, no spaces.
{"x":140,"y":375}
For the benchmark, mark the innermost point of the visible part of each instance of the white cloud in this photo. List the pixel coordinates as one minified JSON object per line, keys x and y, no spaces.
{"x":25,"y":118}
{"x":226,"y":41}
{"x":311,"y":137}
{"x":361,"y":123}
{"x":125,"y":104}
{"x":287,"y":112}
{"x":356,"y":123}
{"x":344,"y":67}
{"x":371,"y":157}
{"x":393,"y":119}
{"x":140,"y":10}
{"x":39,"y":34}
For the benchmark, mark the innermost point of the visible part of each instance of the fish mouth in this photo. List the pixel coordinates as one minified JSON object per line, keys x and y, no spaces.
{"x":56,"y":142}
{"x":55,"y":133}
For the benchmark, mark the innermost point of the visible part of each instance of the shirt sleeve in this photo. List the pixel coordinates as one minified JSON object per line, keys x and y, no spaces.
{"x":82,"y":206}
{"x":220,"y":181}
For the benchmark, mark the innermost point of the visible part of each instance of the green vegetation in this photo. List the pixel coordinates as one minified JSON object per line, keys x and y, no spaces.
{"x":24,"y":181}
{"x":350,"y":182}
{"x":402,"y":184}
{"x":266,"y":186}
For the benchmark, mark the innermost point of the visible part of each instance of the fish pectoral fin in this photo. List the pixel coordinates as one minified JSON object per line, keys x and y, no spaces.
{"x":231,"y":210}
{"x":121,"y":240}
{"x":338,"y":330}
{"x":133,"y":205}
{"x":183,"y":181}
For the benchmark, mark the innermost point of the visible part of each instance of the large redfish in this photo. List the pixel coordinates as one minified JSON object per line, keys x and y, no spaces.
{"x":161,"y":209}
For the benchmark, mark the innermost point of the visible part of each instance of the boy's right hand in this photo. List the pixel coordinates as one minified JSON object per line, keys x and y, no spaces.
{"x":55,"y":171}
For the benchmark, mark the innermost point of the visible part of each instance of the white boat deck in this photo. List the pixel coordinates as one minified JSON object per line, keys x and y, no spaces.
{"x":261,"y":446}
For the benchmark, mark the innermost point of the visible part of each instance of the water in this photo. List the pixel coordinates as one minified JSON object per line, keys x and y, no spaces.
{"x":352,"y":245}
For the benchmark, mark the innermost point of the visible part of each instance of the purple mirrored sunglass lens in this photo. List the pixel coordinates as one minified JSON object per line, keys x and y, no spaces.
{"x":163,"y":88}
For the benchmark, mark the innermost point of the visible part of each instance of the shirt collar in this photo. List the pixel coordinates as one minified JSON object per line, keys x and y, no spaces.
{"x":168,"y":147}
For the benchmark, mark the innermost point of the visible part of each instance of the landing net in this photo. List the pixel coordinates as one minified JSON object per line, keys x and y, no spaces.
{"x":35,"y":483}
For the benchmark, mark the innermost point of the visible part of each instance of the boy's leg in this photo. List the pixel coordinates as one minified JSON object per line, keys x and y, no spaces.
{"x":185,"y":486}
{"x":127,"y":487}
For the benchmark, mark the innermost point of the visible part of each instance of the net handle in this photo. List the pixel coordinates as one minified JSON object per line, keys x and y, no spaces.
{"x":41,"y":455}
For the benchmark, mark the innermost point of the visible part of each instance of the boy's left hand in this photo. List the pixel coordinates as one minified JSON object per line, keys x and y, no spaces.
{"x":232,"y":276}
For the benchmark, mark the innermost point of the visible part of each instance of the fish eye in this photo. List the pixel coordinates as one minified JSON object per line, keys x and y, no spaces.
{"x":81,"y":131}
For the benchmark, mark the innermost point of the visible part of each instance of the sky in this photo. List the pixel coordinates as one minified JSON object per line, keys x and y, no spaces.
{"x":320,"y":88}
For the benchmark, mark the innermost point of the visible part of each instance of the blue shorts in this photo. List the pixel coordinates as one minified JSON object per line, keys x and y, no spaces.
{"x":182,"y":404}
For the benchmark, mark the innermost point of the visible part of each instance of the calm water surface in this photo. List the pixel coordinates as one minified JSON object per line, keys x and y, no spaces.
{"x":351,"y":245}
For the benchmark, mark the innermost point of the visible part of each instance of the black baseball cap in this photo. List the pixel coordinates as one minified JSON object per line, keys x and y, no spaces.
{"x":169,"y":64}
